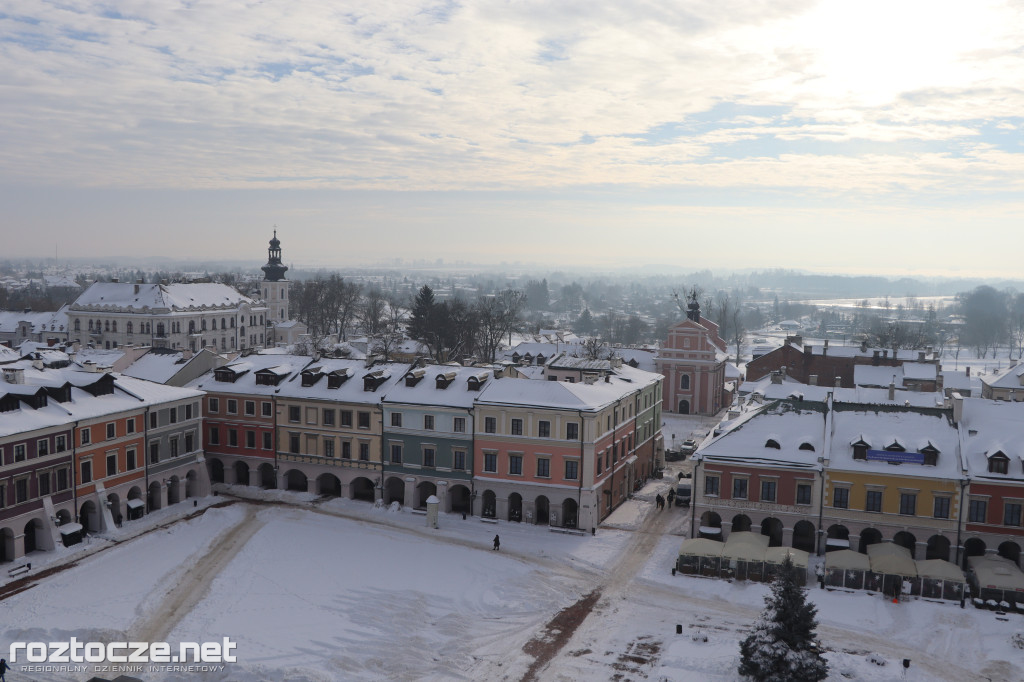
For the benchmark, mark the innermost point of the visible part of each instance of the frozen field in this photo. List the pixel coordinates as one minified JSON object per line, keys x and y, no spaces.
{"x":342,"y":591}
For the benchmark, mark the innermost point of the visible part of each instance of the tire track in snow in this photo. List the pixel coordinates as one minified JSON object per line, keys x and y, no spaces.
{"x":190,"y":587}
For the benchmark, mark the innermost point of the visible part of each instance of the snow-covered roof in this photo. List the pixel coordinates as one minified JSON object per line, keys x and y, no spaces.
{"x":913,"y":428}
{"x":159,"y":365}
{"x":42,"y":322}
{"x":745,"y":546}
{"x":555,"y":394}
{"x":129,"y":394}
{"x":877,"y":376}
{"x":244,"y":372}
{"x":920,"y":371}
{"x":996,"y":572}
{"x":443,"y":385}
{"x":990,"y":427}
{"x":847,"y":560}
{"x":122,"y":296}
{"x":797,"y":429}
{"x":352,"y":390}
{"x":1011,"y":377}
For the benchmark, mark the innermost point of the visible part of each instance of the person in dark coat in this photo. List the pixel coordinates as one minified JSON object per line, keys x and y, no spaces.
{"x":671,"y":496}
{"x":660,"y":501}
{"x":3,"y":669}
{"x":497,"y":542}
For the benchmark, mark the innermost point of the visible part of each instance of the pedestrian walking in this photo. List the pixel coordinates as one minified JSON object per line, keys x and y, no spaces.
{"x":671,"y":496}
{"x":660,"y":501}
{"x":497,"y":543}
{"x":3,"y":669}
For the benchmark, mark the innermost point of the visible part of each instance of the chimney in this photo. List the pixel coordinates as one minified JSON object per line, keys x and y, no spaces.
{"x":812,"y":380}
{"x":874,"y":357}
{"x":783,"y":371}
{"x":958,"y":407}
{"x":892,"y":390}
{"x":885,"y":355}
{"x":14,"y":375}
{"x":864,"y":346}
{"x":808,"y":349}
{"x":37,"y":364}
{"x":824,"y":349}
{"x":920,"y":356}
{"x":777,"y":377}
{"x":136,"y":288}
{"x":968,"y":368}
{"x":839,"y":382}
{"x":186,"y":354}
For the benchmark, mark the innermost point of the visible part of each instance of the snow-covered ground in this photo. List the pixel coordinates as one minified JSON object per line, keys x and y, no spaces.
{"x":340,"y":590}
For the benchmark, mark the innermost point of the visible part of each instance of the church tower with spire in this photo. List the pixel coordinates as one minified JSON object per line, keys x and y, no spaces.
{"x":274,"y":285}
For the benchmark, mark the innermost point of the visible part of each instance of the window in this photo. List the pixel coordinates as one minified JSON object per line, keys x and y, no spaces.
{"x":364,"y":452}
{"x":268,"y":409}
{"x":44,"y":483}
{"x":490,"y":425}
{"x":232,"y":406}
{"x":711,"y":485}
{"x":214,"y":405}
{"x":600,"y":462}
{"x":491,"y":462}
{"x":459,"y":460}
{"x":768,"y":491}
{"x":250,"y":439}
{"x":346,"y":450}
{"x":977,"y":511}
{"x":803,"y":493}
{"x":130,"y":426}
{"x":1011,"y":514}
{"x":294,"y":413}
{"x":571,"y":469}
{"x":61,"y":444}
{"x":86,"y":472}
{"x":396,"y":419}
{"x":572,"y":431}
{"x":515,"y":465}
{"x":873,"y":501}
{"x":908,"y":504}
{"x":268,"y":440}
{"x":132,"y":460}
{"x":19,"y":452}
{"x":86,"y":436}
{"x":111,"y":431}
{"x":841,"y":498}
{"x":346,"y":419}
{"x":998,"y":464}
{"x":364,"y":420}
{"x":544,"y":429}
{"x":517,"y":427}
{"x":459,"y":425}
{"x":428,"y":422}
{"x":739,"y":488}
{"x":543,"y":468}
{"x":152,"y":419}
{"x":684,"y":382}
{"x":396,"y":453}
{"x":233,"y":438}
{"x":328,"y":447}
{"x":214,"y":435}
{"x":188,"y":411}
{"x":62,"y":479}
{"x":174,"y":447}
{"x":173,"y":414}
{"x":428,"y":457}
{"x":250,"y":408}
{"x":940,"y":510}
{"x":21,"y":490}
{"x":772,"y":443}
{"x":154,"y":453}
{"x":860,"y":450}
{"x":190,"y":444}
{"x":111,"y":464}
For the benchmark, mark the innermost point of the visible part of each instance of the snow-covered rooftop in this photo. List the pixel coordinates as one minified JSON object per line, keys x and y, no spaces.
{"x":153,"y":297}
{"x":991,"y":427}
{"x":780,"y":433}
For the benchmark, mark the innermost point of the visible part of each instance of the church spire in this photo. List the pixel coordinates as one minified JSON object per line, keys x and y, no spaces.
{"x":274,"y":270}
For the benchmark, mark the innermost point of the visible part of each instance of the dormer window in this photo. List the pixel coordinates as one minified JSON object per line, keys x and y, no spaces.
{"x":311,"y":376}
{"x":336,"y":378}
{"x":413,"y":376}
{"x":807,"y":446}
{"x":895,"y":447}
{"x":860,"y":449}
{"x":931,"y":454}
{"x":999,"y":463}
{"x":772,"y":443}
{"x":444,"y":380}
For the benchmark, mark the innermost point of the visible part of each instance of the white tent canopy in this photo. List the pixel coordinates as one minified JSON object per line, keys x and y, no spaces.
{"x":891,"y":559}
{"x":776,"y":555}
{"x":745,"y":546}
{"x":847,"y":560}
{"x":937,"y":569}
{"x":997,"y":573}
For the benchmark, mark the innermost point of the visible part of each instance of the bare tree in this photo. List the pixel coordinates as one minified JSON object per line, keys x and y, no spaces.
{"x":372,"y":312}
{"x":497,"y":316}
{"x":390,"y":336}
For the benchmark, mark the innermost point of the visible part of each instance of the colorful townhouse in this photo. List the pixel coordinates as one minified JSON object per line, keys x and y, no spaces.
{"x":74,"y":450}
{"x":762,"y":472}
{"x":555,"y":452}
{"x":992,"y":434}
{"x":893,"y":473}
{"x":330,"y":426}
{"x":240,"y":411}
{"x":429,"y":424}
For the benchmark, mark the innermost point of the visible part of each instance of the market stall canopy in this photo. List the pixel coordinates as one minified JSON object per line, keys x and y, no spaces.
{"x":848,"y":560}
{"x":891,"y":559}
{"x":937,"y":569}
{"x":997,"y":573}
{"x":776,"y":555}
{"x":745,"y":546}
{"x":701,"y":547}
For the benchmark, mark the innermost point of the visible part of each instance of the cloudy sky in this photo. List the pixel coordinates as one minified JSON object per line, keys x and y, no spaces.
{"x":837,"y":136}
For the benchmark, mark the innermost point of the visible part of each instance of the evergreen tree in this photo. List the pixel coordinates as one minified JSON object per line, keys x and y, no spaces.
{"x":781,"y":646}
{"x":420,"y":323}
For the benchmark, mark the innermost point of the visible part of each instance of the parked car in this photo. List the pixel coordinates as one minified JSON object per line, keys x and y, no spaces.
{"x":688,"y":447}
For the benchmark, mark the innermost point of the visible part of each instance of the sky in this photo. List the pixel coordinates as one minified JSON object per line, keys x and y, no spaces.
{"x":835,"y":136}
